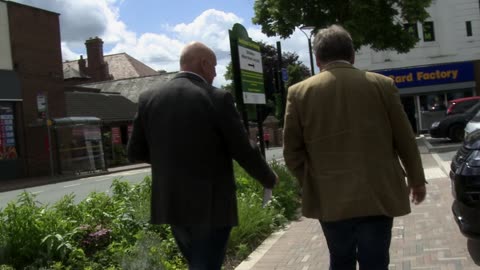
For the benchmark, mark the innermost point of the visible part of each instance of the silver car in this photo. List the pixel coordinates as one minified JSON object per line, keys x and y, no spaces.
{"x":473,"y":124}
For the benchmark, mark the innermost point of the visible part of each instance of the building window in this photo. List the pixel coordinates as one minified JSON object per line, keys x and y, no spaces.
{"x":428,"y":32}
{"x":468,"y":26}
{"x":411,"y":29}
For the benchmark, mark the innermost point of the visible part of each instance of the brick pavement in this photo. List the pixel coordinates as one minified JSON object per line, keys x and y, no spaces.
{"x":426,"y":239}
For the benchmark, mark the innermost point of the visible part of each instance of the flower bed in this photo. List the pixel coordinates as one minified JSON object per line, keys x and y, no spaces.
{"x":112,"y":232}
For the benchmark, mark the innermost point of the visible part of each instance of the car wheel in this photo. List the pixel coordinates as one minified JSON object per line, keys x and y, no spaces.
{"x":456,"y":133}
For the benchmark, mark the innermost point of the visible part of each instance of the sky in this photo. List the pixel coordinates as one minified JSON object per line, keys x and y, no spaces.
{"x":155,"y":31}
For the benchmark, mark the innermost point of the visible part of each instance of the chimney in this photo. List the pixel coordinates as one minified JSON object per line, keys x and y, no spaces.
{"x":94,"y":51}
{"x":97,"y":68}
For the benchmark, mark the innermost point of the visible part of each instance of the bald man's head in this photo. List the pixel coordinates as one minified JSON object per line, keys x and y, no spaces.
{"x":198,"y":58}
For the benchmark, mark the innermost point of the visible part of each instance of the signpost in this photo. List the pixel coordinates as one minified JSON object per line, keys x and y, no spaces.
{"x":248,"y":80}
{"x":247,"y":75}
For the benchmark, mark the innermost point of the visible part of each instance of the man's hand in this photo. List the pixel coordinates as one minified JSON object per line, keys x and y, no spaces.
{"x":277,"y":179}
{"x":418,"y":194}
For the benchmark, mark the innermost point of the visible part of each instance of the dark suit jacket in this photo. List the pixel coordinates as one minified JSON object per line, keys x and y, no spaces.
{"x":190,"y":131}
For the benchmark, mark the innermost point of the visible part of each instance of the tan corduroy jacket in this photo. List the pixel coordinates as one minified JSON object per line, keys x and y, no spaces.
{"x":345,"y":130}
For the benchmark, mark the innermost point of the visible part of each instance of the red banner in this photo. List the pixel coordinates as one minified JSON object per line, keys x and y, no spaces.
{"x":116,"y":137}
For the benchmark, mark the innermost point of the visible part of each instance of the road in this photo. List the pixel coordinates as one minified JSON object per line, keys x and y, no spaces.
{"x":84,"y":186}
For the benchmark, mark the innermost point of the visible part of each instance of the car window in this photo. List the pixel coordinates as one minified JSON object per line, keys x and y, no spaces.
{"x":463,"y":106}
{"x":474,"y":108}
{"x":476,"y":118}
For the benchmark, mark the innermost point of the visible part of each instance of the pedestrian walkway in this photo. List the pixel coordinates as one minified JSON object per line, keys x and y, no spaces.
{"x":426,"y":239}
{"x":21,"y":183}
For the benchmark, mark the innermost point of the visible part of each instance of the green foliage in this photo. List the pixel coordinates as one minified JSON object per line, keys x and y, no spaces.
{"x":256,"y":223}
{"x":119,"y":155}
{"x":112,"y":232}
{"x":375,"y":23}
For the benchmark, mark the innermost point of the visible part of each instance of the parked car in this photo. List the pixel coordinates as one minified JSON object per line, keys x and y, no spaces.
{"x":473,"y":124}
{"x":461,"y":105}
{"x":465,"y":177}
{"x":453,"y":126}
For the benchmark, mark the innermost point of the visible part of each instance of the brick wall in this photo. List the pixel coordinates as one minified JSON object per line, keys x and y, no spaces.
{"x":37,"y":57}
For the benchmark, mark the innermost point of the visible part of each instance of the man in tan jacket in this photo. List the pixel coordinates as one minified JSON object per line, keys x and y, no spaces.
{"x":345,"y":132}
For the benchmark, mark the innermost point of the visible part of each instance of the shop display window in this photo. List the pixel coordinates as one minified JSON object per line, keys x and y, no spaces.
{"x":8,"y":148}
{"x":80,"y":149}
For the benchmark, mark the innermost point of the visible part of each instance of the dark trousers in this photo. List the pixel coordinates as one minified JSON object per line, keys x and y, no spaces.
{"x":203,"y":247}
{"x":364,"y":239}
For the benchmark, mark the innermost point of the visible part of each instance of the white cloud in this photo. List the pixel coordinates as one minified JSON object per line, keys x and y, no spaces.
{"x":211,"y":27}
{"x":80,"y":20}
{"x":68,"y":54}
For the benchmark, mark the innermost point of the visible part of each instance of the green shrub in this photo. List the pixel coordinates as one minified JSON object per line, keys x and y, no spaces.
{"x":287,"y":192}
{"x":256,"y":224}
{"x":113,"y":232}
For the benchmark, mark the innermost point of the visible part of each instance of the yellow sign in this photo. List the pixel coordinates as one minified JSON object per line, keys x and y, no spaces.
{"x":425,"y":76}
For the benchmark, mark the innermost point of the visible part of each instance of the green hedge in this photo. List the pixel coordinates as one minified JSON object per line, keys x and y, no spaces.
{"x":112,"y":232}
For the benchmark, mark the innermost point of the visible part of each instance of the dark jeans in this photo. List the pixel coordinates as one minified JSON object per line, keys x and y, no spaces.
{"x":366,"y":239}
{"x":203,"y":247}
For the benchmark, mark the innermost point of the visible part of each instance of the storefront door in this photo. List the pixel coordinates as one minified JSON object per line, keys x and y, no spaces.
{"x":410,"y":110}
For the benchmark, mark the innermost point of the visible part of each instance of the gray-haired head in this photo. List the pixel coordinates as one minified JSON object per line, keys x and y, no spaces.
{"x":332,"y":44}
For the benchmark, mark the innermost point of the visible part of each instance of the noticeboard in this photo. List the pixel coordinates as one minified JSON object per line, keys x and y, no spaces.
{"x":251,"y":72}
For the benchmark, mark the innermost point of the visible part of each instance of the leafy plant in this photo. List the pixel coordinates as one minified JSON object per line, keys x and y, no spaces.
{"x":113,"y":232}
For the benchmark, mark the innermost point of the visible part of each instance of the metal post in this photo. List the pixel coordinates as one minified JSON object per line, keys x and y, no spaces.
{"x":281,"y":83}
{"x":311,"y":56}
{"x":49,"y":137}
{"x":309,"y":37}
{"x":260,"y":128}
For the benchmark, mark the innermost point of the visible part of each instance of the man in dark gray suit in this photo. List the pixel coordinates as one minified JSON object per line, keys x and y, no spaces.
{"x":189,"y":131}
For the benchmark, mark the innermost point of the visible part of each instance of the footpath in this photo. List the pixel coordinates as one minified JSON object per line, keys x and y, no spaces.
{"x":427,"y":239}
{"x":7,"y":185}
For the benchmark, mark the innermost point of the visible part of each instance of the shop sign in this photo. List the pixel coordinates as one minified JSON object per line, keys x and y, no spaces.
{"x":92,"y":133}
{"x":430,"y":75}
{"x":42,"y":105}
{"x":116,"y":138}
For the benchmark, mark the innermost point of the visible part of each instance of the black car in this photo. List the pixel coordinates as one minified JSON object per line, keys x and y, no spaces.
{"x":465,"y":176}
{"x":452,"y":126}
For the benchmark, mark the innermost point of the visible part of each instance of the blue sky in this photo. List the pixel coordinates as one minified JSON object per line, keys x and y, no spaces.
{"x":155,"y":31}
{"x":150,"y":15}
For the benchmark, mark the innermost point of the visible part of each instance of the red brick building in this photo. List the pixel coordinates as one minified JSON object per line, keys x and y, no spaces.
{"x":36,"y":63}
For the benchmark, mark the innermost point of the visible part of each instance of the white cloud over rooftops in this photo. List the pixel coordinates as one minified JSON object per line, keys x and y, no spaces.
{"x":80,"y":20}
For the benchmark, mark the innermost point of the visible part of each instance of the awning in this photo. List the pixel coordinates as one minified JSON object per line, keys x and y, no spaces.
{"x":10,"y":86}
{"x":76,"y":121}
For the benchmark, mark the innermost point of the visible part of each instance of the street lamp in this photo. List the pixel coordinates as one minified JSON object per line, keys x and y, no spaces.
{"x":309,"y":37}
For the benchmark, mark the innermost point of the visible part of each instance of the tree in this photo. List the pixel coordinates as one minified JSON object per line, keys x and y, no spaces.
{"x":378,"y":23}
{"x":296,"y":71}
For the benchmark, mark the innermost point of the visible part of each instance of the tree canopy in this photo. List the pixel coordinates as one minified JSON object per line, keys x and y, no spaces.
{"x":378,"y":23}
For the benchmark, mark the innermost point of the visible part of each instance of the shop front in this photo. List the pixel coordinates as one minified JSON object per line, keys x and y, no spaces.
{"x":426,"y":90}
{"x":79,"y":144}
{"x":11,"y":165}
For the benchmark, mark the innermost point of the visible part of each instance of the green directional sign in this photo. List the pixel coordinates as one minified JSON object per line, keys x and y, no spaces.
{"x":251,"y":72}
